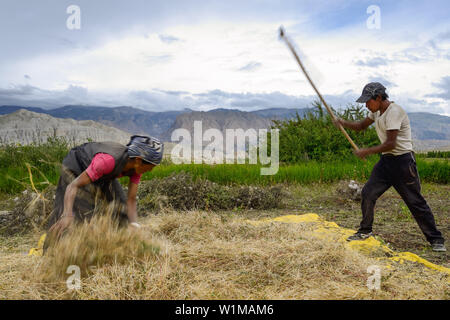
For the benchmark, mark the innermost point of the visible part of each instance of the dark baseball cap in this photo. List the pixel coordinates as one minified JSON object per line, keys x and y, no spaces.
{"x":371,"y":90}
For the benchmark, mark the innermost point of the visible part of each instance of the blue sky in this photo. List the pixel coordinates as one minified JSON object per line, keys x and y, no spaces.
{"x":170,"y":55}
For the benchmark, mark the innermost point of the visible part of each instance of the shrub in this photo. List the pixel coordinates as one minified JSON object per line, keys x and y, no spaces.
{"x":181,"y":191}
{"x":31,"y":211}
{"x":314,"y":136}
{"x":438,"y":154}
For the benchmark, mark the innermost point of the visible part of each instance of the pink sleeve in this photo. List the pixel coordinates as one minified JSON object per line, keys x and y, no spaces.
{"x":101,"y":164}
{"x":136,"y":178}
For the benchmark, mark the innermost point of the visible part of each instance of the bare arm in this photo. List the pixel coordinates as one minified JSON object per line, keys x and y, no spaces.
{"x":355,"y":125}
{"x":388,"y":145}
{"x":69,"y":198}
{"x":131,"y":202}
{"x":71,"y":192}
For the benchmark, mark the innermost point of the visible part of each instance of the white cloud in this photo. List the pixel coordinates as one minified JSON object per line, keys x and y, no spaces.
{"x":206,"y":56}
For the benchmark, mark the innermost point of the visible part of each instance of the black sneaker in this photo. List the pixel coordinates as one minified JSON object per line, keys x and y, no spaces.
{"x":360,"y":236}
{"x":438,"y":247}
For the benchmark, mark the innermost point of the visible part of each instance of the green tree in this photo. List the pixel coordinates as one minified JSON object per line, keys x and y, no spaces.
{"x":314,"y":137}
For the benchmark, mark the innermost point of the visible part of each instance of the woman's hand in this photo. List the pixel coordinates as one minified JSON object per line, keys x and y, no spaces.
{"x":134,"y":225}
{"x":61,"y":225}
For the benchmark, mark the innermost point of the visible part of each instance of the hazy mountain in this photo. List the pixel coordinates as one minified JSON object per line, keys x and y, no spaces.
{"x":429,"y":126}
{"x":221,"y":119}
{"x":27,"y":127}
{"x":161,"y":124}
{"x":425,"y":126}
{"x":281,"y":113}
{"x":430,"y":145}
{"x":11,"y":109}
{"x":132,"y":120}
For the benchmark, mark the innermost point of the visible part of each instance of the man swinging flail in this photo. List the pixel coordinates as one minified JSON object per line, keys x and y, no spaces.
{"x":397,"y":166}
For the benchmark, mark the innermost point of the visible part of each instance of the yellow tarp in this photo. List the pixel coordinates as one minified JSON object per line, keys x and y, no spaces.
{"x":330,"y":229}
{"x":38,"y":251}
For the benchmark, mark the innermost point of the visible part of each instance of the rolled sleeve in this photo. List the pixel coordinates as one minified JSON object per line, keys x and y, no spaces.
{"x":136,"y":178}
{"x":101,"y":164}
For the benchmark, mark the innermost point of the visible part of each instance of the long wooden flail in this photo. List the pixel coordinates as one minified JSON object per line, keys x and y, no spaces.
{"x":291,"y":47}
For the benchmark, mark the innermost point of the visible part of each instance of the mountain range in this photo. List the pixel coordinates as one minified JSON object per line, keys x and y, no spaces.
{"x":161,"y":124}
{"x":425,"y":126}
{"x":26,"y":127}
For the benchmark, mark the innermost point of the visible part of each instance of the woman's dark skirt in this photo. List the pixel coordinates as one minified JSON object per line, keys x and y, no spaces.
{"x":95,"y":198}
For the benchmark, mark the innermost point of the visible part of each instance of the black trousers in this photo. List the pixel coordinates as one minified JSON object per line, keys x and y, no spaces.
{"x":401,"y":173}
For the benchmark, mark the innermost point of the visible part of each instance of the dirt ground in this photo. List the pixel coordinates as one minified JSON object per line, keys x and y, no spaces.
{"x":393,"y":222}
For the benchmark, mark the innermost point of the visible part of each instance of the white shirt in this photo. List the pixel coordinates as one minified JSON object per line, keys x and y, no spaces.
{"x":394,"y":118}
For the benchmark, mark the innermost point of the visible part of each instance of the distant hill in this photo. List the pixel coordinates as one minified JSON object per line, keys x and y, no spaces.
{"x":11,"y":109}
{"x":132,"y":120}
{"x":159,"y":124}
{"x":429,"y":126}
{"x":431,"y":145}
{"x":425,"y":126}
{"x":281,"y":113}
{"x":221,"y":119}
{"x":28,"y":127}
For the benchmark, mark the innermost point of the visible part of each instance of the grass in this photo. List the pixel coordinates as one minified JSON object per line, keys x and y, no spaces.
{"x":97,"y":243}
{"x":45,"y":160}
{"x":308,"y":172}
{"x":209,"y":256}
{"x":218,"y":255}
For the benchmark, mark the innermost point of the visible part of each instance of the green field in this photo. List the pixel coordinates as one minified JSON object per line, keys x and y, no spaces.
{"x":307,"y":172}
{"x":44,"y":163}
